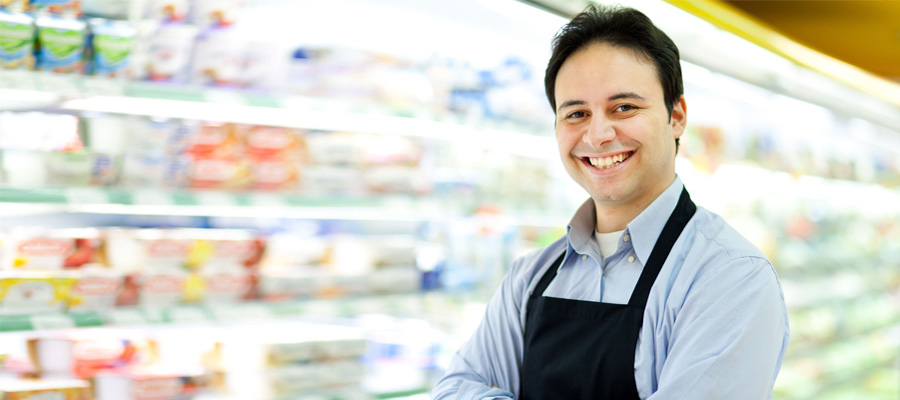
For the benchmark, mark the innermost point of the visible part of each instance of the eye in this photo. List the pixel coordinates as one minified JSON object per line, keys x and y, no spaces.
{"x":576,"y":114}
{"x":626,"y":108}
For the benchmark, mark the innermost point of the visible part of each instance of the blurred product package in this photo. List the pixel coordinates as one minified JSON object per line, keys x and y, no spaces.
{"x":29,"y":389}
{"x":60,"y":45}
{"x":110,"y":48}
{"x":66,"y":8}
{"x":16,"y":48}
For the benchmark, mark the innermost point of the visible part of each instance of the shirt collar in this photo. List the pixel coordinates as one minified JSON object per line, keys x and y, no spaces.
{"x":643,"y":230}
{"x":581,"y":230}
{"x":647,"y":226}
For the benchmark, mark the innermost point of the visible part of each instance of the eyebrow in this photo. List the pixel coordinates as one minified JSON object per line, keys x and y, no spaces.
{"x":617,"y":96}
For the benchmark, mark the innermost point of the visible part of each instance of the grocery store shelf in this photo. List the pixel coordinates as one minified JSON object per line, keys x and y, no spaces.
{"x":206,"y":314}
{"x":96,"y":94}
{"x":223,"y":204}
{"x":97,"y":200}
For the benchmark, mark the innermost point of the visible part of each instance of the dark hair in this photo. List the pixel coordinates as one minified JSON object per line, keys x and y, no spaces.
{"x":618,"y":26}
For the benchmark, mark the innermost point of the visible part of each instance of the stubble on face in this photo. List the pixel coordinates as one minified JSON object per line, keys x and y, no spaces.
{"x":615,"y":135}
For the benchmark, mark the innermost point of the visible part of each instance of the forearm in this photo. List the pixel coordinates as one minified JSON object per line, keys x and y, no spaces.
{"x":461,"y":388}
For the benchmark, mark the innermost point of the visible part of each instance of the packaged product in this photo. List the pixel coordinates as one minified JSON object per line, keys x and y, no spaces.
{"x":61,"y":44}
{"x":69,"y":8}
{"x":217,"y":58}
{"x":390,"y":150}
{"x":215,"y":140}
{"x":81,"y":168}
{"x":289,"y":358}
{"x":111,"y":47}
{"x":83,"y":356}
{"x":264,"y":65}
{"x":44,"y":389}
{"x":95,"y":288}
{"x":396,"y":179}
{"x":113,"y":9}
{"x":169,"y":53}
{"x":154,"y":263}
{"x":161,"y":136}
{"x":397,"y":279}
{"x":271,"y":141}
{"x":168,"y":10}
{"x":14,"y":5}
{"x":332,"y":181}
{"x":39,"y":131}
{"x":151,"y":169}
{"x":217,"y":13}
{"x":23,"y":168}
{"x":334,"y":148}
{"x":290,"y":283}
{"x":233,"y":272}
{"x":148,"y":383}
{"x":164,"y":277}
{"x":276,"y":155}
{"x":17,"y":34}
{"x":274,"y":174}
{"x":212,"y":172}
{"x":36,"y":251}
{"x":303,"y":71}
{"x":33,"y":292}
{"x":40,"y":249}
{"x":162,"y":285}
{"x":155,"y":154}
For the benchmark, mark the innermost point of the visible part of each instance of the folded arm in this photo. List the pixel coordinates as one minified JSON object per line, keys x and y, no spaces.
{"x":729,"y":336}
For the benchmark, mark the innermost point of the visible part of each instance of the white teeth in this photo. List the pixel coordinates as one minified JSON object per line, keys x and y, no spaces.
{"x":607,"y":162}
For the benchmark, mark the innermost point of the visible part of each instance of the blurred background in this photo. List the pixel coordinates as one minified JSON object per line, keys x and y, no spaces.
{"x":296,"y":199}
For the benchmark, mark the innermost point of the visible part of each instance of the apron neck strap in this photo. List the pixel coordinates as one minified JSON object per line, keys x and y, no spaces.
{"x":683,"y":212}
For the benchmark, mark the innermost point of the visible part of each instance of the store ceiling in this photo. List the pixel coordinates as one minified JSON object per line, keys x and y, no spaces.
{"x":864,"y":33}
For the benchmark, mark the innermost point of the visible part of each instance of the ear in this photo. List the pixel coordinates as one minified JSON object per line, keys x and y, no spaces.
{"x":678,"y":121}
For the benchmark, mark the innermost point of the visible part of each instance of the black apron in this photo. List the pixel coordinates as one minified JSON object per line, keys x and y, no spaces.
{"x":583,"y":349}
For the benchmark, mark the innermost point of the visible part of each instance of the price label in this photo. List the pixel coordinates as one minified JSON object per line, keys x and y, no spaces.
{"x":224,"y":97}
{"x":58,"y":83}
{"x":86,"y":196}
{"x":215,"y":199}
{"x":323,"y":308}
{"x":104,"y":87}
{"x":256,"y":311}
{"x":227,"y":313}
{"x":153,"y":315}
{"x":127,"y":318}
{"x":51,"y":321}
{"x":187,"y":315}
{"x":151,"y":197}
{"x":267,"y":200}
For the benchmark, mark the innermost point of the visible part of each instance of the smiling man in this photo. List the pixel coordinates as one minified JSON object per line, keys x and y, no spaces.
{"x":647,"y":296}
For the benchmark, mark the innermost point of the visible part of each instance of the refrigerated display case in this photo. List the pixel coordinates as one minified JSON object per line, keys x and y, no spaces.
{"x":281,"y":166}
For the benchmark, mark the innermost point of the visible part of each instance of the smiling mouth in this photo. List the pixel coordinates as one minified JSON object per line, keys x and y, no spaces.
{"x":608,"y":162}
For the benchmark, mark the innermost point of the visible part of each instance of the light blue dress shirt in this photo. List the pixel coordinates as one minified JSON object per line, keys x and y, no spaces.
{"x":715,"y":325}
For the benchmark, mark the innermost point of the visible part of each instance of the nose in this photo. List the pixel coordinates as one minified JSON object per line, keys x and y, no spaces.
{"x":599,"y":131}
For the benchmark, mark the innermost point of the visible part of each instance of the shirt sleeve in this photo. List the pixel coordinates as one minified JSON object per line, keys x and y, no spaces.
{"x":493,"y":355}
{"x":729,"y":336}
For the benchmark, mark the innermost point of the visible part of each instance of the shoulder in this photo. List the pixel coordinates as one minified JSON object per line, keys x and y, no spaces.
{"x":712,"y":247}
{"x":526,"y":270}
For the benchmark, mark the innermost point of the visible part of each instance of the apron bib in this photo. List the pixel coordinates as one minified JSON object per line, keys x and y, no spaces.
{"x":583,"y":349}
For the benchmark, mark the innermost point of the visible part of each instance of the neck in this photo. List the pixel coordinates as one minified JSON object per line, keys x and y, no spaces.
{"x":615,"y":216}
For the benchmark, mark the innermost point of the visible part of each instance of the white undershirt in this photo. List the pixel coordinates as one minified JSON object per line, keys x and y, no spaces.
{"x":608,"y":242}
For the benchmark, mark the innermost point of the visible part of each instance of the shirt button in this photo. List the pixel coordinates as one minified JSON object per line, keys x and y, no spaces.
{"x":583,"y":257}
{"x":626,"y":238}
{"x":630,"y":258}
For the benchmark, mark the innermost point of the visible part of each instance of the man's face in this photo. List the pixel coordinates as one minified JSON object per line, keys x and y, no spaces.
{"x":613,"y":129}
